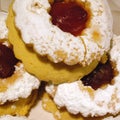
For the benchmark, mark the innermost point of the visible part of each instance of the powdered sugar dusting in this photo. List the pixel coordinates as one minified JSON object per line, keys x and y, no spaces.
{"x":3,"y":28}
{"x":37,"y":29}
{"x":24,"y":83}
{"x":21,"y":88}
{"x":78,"y":98}
{"x":9,"y":117}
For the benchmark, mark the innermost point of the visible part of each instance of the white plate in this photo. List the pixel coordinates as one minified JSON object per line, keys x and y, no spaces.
{"x":37,"y":113}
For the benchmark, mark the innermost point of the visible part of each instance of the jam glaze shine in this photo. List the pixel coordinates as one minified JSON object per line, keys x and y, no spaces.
{"x":7,"y":61}
{"x":69,"y":16}
{"x":101,"y":75}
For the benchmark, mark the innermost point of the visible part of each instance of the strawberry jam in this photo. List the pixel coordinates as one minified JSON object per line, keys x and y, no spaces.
{"x":7,"y":61}
{"x":103,"y":74}
{"x":69,"y":17}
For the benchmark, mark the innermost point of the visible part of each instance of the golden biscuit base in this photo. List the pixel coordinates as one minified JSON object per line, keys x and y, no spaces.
{"x":62,"y":114}
{"x":20,"y":107}
{"x":41,"y":67}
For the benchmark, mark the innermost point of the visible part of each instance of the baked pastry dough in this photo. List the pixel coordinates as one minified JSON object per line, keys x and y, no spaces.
{"x":48,"y":40}
{"x":78,"y":98}
{"x":20,"y":107}
{"x":62,"y":114}
{"x":40,"y":66}
{"x":19,"y":90}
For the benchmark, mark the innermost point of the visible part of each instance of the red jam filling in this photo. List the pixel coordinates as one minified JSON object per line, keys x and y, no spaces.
{"x":69,"y":17}
{"x":103,"y":74}
{"x":7,"y":61}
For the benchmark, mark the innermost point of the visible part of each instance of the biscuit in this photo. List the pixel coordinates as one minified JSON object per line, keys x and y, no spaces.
{"x":39,"y":66}
{"x":18,"y":88}
{"x":78,"y":98}
{"x":20,"y":107}
{"x":37,"y":30}
{"x":18,"y":83}
{"x":62,"y":114}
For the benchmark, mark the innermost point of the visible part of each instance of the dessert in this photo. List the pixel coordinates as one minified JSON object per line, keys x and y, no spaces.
{"x":62,"y":114}
{"x":20,"y":107}
{"x":18,"y":88}
{"x":40,"y":66}
{"x":87,"y":101}
{"x":66,"y":64}
{"x":69,"y":31}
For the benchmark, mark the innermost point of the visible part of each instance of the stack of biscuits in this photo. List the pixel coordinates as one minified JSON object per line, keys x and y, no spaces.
{"x":69,"y":45}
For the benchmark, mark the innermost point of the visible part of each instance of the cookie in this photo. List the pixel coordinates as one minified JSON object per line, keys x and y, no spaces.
{"x":20,"y":107}
{"x":47,"y":28}
{"x":41,"y":67}
{"x":19,"y":85}
{"x":79,"y":98}
{"x":18,"y":88}
{"x":62,"y":114}
{"x":15,"y":82}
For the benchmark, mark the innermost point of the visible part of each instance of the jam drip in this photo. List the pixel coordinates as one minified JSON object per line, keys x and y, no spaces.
{"x":7,"y":61}
{"x":103,"y":74}
{"x":69,"y":17}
